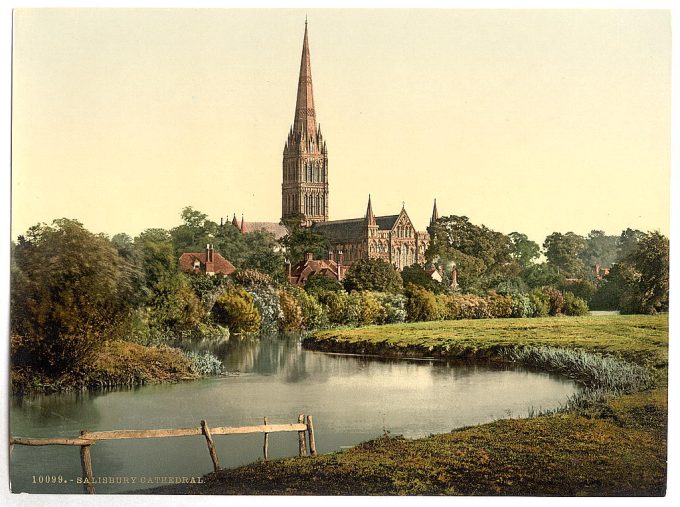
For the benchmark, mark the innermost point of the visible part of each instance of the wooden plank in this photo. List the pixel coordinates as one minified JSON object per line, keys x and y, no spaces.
{"x":302,"y":447}
{"x":269,"y":428}
{"x":187,"y":432}
{"x":49,"y":441}
{"x":86,"y":463}
{"x":265,"y":445}
{"x":310,"y":432}
{"x":211,"y":446}
{"x":122,"y":434}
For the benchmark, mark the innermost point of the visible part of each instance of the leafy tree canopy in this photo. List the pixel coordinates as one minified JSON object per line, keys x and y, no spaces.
{"x":71,"y":292}
{"x":563,"y":252}
{"x":301,"y":240}
{"x":599,"y":249}
{"x":373,"y":274}
{"x":523,"y":250}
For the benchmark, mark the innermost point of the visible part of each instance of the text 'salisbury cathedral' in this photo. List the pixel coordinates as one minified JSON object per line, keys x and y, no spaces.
{"x":305,"y":192}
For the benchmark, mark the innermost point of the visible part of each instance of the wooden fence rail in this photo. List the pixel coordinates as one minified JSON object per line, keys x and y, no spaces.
{"x":304,"y":428}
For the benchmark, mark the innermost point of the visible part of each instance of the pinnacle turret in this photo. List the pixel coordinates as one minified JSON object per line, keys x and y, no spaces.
{"x":435,"y":214}
{"x":370,"y":217}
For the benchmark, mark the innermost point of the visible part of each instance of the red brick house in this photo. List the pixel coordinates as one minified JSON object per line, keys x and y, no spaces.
{"x":208,"y":262}
{"x":300,"y":273}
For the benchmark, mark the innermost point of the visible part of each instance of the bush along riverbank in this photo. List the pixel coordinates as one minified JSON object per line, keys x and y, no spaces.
{"x":120,"y":363}
{"x":610,"y":442}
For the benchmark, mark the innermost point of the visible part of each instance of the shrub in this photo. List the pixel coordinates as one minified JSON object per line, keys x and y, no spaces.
{"x":574,"y":305}
{"x":521,"y":305}
{"x":266,"y":299}
{"x":540,"y":303}
{"x":204,"y":363}
{"x":236,"y":309}
{"x":446,"y":306}
{"x":252,"y":277}
{"x":421,"y":304}
{"x":584,"y":289}
{"x":372,"y":312}
{"x":499,"y":306}
{"x":175,"y":311}
{"x":321,"y":283}
{"x":335,"y":304}
{"x":393,"y":306}
{"x":470,"y":306}
{"x":291,"y":313}
{"x":555,"y":300}
{"x":352,"y":315}
{"x":313,"y":316}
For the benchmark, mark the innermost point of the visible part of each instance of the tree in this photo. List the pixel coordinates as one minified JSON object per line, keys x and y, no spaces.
{"x":158,"y":259}
{"x":263,"y":253}
{"x":638,"y":283}
{"x":477,"y":251}
{"x":417,"y":275}
{"x":627,"y":243}
{"x":373,"y":274}
{"x":599,"y":249}
{"x":541,"y":275}
{"x":71,"y":291}
{"x":651,"y":261}
{"x":563,"y":253}
{"x":523,"y":250}
{"x":301,"y":240}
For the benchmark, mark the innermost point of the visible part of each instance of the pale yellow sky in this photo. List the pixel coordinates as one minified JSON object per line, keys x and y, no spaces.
{"x":535,"y":121}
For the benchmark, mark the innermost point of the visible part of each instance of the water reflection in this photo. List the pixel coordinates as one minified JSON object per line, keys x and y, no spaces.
{"x":352,"y":399}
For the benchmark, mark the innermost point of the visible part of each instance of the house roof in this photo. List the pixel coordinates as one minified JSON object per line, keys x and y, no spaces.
{"x":353,"y":228}
{"x":278,"y":230}
{"x":306,"y":268}
{"x":220,"y":264}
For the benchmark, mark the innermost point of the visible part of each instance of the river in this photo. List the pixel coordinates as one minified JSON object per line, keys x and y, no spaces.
{"x":352,"y":399}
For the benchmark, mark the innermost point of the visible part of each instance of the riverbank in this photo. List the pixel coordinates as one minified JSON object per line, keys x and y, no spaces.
{"x":615,"y":445}
{"x":118,"y":363}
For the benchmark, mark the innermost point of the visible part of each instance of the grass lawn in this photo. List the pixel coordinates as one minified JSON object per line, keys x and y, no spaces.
{"x":610,"y":446}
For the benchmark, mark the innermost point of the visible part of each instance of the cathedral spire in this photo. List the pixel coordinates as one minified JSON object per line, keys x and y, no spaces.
{"x":305,"y":116}
{"x":435,"y":213}
{"x":370,"y":217}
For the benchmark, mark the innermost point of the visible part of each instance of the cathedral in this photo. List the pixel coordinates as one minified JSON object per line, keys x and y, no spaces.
{"x":304,"y":192}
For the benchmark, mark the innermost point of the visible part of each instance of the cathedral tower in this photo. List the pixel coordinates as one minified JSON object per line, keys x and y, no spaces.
{"x":305,"y":157}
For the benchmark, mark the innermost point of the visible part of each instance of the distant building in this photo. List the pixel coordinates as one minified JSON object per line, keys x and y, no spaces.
{"x":392,"y":238}
{"x":274,"y":228}
{"x":305,"y":193}
{"x":208,"y":262}
{"x":600,"y":272}
{"x":300,"y":272}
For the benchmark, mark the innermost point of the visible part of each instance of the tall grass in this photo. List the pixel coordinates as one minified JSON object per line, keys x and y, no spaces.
{"x":591,"y":369}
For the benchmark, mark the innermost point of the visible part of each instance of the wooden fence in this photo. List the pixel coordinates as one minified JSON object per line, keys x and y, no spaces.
{"x":89,"y":438}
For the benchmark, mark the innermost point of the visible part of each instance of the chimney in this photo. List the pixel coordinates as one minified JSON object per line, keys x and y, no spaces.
{"x":330,"y":255}
{"x":309,"y":256}
{"x":340,"y":255}
{"x":209,"y":265}
{"x":454,"y":278}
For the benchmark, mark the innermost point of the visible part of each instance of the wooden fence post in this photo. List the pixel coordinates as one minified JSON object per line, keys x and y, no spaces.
{"x":86,"y":463}
{"x":302,"y":446}
{"x":265,"y":446}
{"x":211,"y":446}
{"x":310,"y":431}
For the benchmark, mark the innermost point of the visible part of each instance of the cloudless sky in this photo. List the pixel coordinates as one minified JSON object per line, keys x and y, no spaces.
{"x":530,"y":121}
